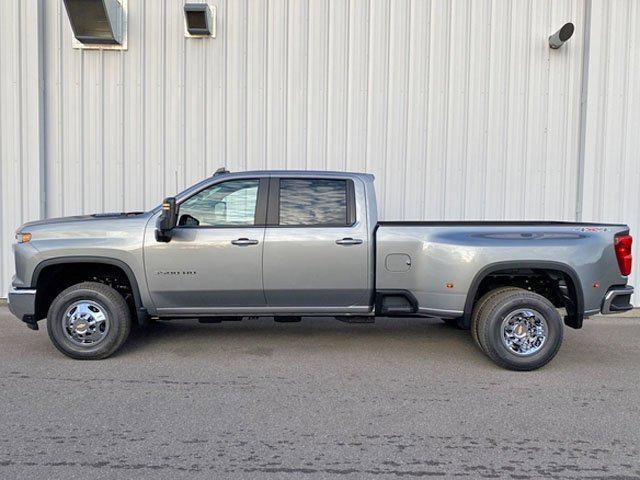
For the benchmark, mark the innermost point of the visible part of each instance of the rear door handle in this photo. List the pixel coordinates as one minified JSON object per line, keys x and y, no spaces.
{"x":349,"y":241}
{"x":244,"y":241}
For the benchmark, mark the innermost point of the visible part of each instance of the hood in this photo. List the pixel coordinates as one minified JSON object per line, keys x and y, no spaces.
{"x":81,"y":218}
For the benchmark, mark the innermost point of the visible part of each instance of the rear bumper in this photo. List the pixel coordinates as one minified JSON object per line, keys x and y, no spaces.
{"x":22,"y":303}
{"x":617,"y":299}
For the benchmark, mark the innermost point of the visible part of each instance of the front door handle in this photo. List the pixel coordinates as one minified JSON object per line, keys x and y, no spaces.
{"x":349,"y":241}
{"x":244,"y":241}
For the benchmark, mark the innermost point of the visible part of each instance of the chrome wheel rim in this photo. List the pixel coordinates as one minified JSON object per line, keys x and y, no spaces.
{"x":524,"y":331}
{"x":85,"y":323}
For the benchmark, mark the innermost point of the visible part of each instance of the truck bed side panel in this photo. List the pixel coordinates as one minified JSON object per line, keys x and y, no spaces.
{"x":445,"y":258}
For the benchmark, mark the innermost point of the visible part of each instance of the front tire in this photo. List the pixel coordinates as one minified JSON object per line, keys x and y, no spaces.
{"x":519,"y":329}
{"x":88,"y":321}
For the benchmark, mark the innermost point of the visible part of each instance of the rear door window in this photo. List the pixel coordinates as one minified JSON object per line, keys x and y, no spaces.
{"x":313,"y":202}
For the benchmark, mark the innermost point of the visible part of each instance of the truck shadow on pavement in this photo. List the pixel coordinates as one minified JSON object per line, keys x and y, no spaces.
{"x":311,"y":334}
{"x":393,"y":339}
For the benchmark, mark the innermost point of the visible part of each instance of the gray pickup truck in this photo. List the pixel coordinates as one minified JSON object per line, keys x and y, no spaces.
{"x":287,"y":244}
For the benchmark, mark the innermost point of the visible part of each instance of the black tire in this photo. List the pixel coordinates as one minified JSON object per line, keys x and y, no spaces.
{"x":118,"y":315}
{"x":496,"y":309}
{"x":479,"y":307}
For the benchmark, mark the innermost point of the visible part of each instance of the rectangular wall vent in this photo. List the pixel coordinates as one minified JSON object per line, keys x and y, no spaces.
{"x":98,"y":23}
{"x":199,"y":20}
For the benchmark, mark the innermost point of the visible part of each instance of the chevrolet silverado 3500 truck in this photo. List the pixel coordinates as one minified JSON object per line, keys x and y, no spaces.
{"x":286,"y":244}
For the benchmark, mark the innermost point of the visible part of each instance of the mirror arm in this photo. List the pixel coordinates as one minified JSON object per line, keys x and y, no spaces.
{"x":163,"y":236}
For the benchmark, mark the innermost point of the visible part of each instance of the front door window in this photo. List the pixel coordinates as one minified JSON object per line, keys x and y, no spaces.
{"x":226,"y":204}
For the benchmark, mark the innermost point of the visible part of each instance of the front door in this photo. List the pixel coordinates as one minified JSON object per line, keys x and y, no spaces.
{"x":316,"y":246}
{"x":213,"y":262}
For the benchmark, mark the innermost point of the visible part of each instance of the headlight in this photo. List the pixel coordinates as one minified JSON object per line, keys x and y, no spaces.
{"x":23,"y":237}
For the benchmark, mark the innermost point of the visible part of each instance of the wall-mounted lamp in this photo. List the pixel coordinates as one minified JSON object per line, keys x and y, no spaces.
{"x":557,"y":39}
{"x":199,"y":20}
{"x":97,"y":23}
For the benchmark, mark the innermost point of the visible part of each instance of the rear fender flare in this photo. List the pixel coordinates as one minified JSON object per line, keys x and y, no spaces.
{"x":575,"y":321}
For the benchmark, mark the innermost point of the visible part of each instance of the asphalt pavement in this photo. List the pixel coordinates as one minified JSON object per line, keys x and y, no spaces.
{"x":318,"y":399}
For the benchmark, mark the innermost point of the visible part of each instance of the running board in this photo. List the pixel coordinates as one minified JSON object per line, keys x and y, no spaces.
{"x":287,"y":319}
{"x":219,"y":319}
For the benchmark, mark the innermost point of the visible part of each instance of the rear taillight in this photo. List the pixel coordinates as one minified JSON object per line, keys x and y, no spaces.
{"x":622,"y":244}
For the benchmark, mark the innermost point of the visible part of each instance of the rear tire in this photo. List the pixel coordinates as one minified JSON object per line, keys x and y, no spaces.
{"x":519,"y":329}
{"x":88,"y":321}
{"x":479,"y":307}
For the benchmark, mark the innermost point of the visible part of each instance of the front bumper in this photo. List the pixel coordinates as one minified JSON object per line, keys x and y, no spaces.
{"x":617,"y":300}
{"x":22,"y":303}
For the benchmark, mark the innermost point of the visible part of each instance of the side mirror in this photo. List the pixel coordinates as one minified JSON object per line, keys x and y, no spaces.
{"x":167,"y":220}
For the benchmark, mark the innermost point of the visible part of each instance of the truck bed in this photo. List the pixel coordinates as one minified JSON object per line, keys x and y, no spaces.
{"x":496,"y":223}
{"x":438,"y":263}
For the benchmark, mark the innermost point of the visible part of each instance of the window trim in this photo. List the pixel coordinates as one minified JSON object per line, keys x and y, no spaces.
{"x":260,"y":212}
{"x":273,"y":208}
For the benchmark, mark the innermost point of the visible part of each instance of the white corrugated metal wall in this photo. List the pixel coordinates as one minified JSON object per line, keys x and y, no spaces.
{"x":459,"y":108}
{"x":611,"y":189}
{"x":21,"y":153}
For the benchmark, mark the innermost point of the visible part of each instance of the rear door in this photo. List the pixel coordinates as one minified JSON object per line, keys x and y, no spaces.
{"x":316,"y":246}
{"x":213,"y":262}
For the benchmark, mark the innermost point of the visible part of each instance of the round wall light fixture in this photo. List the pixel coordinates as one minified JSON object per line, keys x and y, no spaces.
{"x":557,"y":39}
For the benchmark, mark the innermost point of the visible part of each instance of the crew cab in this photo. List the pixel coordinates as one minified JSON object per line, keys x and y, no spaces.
{"x":287,"y":244}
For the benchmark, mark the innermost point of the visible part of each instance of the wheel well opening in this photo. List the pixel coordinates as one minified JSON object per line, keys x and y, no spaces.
{"x":53,"y":279}
{"x":555,"y":285}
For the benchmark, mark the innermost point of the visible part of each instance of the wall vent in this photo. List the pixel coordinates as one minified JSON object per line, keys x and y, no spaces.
{"x":98,"y":24}
{"x":199,"y":20}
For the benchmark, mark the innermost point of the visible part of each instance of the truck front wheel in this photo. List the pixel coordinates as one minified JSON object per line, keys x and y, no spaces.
{"x":519,"y":329}
{"x":88,"y":321}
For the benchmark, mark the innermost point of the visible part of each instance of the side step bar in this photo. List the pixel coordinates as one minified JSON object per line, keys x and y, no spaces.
{"x":617,"y":300}
{"x":395,"y":302}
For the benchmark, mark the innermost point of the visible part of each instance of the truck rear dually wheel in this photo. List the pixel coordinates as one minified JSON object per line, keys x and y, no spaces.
{"x":478,"y":309}
{"x":88,"y":321}
{"x":519,"y":329}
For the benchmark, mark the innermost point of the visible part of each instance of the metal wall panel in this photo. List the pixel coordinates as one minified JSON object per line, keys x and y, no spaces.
{"x":449,"y":103}
{"x":459,"y":108}
{"x":611,"y":189}
{"x":21,"y":148}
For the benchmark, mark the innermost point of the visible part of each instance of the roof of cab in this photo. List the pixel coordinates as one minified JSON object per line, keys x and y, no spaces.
{"x":299,"y":173}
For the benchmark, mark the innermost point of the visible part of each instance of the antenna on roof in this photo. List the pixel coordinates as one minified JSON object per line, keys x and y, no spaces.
{"x":221,"y":171}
